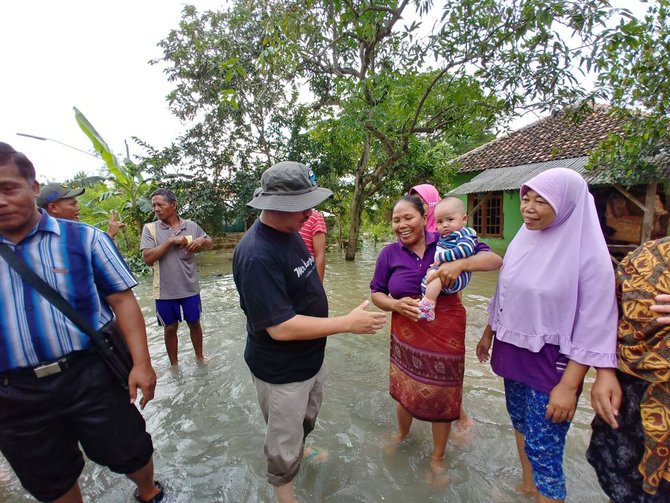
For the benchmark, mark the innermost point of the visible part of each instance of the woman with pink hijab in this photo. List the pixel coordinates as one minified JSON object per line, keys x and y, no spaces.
{"x":429,"y":197}
{"x":553,"y":316}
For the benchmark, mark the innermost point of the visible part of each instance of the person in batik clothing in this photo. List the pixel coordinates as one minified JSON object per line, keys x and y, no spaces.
{"x":630,"y":450}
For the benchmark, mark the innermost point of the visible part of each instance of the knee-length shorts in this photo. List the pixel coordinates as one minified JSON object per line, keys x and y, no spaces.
{"x":290,"y":412}
{"x":44,"y":421}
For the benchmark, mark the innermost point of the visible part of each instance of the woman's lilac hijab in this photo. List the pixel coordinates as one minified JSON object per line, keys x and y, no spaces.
{"x":557,"y":286}
{"x":429,"y":194}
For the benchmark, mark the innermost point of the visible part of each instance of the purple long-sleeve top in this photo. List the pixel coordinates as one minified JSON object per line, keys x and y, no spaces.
{"x":399,"y":270}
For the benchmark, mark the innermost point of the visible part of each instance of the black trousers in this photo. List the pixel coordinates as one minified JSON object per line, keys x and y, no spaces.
{"x":44,"y":420}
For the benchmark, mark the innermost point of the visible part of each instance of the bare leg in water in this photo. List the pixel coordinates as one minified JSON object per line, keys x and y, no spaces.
{"x":527,"y":485}
{"x":404,"y":423}
{"x":285,"y":493}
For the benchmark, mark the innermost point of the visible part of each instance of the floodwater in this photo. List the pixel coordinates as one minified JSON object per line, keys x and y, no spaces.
{"x":208,"y":431}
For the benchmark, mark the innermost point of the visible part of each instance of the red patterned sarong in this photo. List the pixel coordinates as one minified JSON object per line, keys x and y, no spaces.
{"x":428,"y":360}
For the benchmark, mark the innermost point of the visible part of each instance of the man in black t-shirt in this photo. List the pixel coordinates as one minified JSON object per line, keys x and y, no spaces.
{"x":287,"y":318}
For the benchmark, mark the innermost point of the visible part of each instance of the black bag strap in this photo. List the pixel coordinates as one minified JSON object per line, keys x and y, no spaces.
{"x":55,"y":298}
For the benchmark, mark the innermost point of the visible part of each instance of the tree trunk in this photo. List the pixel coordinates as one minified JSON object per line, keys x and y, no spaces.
{"x":648,"y":217}
{"x":355,"y":228}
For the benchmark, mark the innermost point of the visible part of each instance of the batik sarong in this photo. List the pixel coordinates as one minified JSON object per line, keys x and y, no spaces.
{"x":616,"y":454}
{"x":643,"y":352}
{"x":428,"y":360}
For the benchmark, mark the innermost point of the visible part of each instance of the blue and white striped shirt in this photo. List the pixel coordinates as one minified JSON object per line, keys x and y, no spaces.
{"x":83,"y":265}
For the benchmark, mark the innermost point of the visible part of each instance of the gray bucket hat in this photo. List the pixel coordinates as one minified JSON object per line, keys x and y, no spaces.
{"x":288,"y":186}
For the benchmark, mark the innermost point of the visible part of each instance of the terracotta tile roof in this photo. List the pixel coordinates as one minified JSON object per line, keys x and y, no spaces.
{"x":551,"y":138}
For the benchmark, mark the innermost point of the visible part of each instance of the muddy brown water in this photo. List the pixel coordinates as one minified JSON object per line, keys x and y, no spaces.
{"x":208,"y":431}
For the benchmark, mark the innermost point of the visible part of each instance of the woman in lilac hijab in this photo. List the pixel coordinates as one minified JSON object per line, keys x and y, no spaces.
{"x":553,"y":316}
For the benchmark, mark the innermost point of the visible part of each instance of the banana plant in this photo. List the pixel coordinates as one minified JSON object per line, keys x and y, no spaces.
{"x":126,"y":176}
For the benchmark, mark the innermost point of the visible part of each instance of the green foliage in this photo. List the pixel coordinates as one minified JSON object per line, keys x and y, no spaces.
{"x":239,"y":115}
{"x":136,"y":263}
{"x":123,"y":193}
{"x":398,"y":96}
{"x":126,"y":178}
{"x":391,"y":102}
{"x":633,"y":67}
{"x":378,"y":230}
{"x":97,"y":204}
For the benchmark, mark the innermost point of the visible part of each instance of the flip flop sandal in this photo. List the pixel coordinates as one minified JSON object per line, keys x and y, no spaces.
{"x":155,"y":499}
{"x":313,"y":457}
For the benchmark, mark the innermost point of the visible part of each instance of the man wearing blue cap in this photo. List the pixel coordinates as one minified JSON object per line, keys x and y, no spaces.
{"x":60,"y":201}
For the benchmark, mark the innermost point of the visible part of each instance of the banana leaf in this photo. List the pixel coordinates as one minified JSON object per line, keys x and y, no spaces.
{"x":99,"y":144}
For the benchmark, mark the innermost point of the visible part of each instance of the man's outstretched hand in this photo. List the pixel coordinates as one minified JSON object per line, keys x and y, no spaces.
{"x":365,"y":322}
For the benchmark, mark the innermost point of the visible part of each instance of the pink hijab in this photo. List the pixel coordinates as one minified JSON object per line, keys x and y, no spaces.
{"x":429,"y":194}
{"x":556,"y":286}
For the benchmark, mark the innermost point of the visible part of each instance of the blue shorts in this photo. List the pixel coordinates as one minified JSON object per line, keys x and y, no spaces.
{"x":544,"y":439}
{"x":168,"y":311}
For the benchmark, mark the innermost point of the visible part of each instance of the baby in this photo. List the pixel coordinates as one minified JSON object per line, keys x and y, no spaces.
{"x":456,"y":242}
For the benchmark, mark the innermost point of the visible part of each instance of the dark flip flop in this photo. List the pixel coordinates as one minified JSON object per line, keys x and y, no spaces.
{"x":155,"y":499}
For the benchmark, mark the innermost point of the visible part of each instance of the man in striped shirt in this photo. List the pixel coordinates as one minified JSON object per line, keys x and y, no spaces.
{"x":55,"y":391}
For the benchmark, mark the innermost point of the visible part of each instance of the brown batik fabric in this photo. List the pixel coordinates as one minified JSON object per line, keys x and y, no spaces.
{"x":428,"y":362}
{"x":644,"y":351}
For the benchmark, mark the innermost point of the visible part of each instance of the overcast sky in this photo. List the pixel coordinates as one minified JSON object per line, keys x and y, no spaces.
{"x":92,"y":55}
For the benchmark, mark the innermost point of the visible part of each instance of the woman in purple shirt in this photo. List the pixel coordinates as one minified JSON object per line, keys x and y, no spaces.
{"x":430,"y":197}
{"x":553,"y":316}
{"x":427,"y":359}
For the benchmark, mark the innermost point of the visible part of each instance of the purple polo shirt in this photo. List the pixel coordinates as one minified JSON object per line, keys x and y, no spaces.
{"x":399,"y":270}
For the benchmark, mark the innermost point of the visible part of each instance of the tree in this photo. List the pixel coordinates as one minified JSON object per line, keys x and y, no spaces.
{"x":386,"y":95}
{"x":482,"y":60}
{"x":632,"y":64}
{"x":237,"y":114}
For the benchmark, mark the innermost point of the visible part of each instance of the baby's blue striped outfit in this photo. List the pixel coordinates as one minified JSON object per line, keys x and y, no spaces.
{"x":459,"y":244}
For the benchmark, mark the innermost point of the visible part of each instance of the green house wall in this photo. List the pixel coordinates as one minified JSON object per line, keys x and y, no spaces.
{"x":512,"y":220}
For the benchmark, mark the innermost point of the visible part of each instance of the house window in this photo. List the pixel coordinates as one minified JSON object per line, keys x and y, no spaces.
{"x":486,"y":214}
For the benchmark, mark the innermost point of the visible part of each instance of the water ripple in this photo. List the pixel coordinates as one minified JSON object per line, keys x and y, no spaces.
{"x":208,"y":431}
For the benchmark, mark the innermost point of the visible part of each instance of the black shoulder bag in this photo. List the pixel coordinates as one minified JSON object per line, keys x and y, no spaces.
{"x":108,"y":341}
